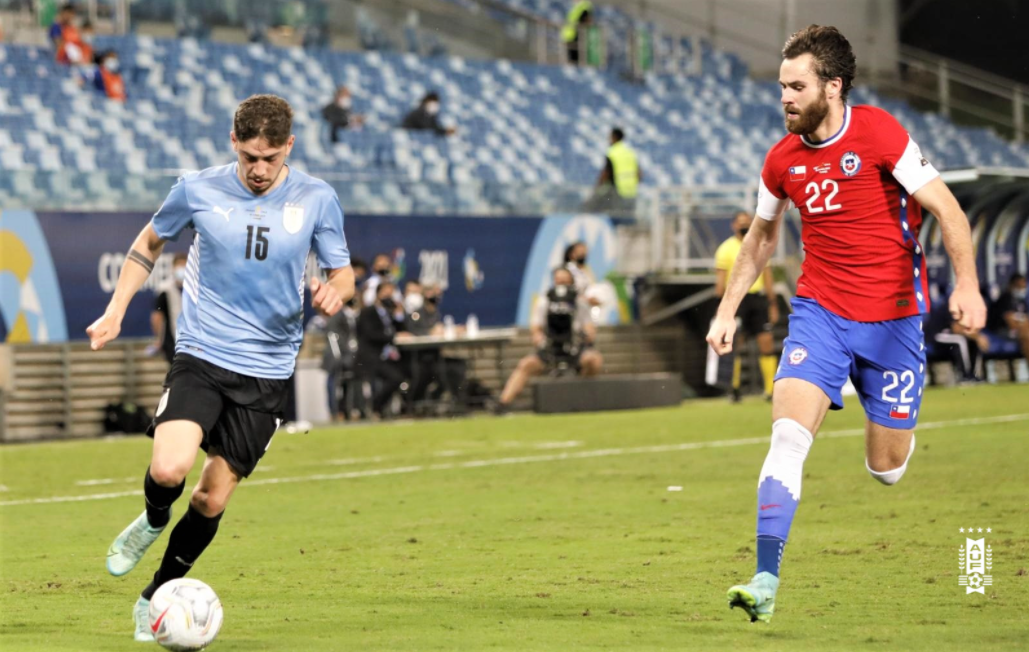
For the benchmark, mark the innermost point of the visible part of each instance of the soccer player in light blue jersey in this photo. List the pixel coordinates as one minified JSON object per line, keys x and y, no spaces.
{"x":254,"y":223}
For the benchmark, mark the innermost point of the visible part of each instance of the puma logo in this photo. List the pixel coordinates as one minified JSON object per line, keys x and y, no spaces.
{"x":224,"y":213}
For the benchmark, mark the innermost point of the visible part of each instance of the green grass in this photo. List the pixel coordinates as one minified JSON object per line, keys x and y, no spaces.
{"x":585,"y":552}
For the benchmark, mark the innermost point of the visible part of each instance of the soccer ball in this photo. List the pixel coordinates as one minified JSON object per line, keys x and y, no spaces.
{"x":185,"y":614}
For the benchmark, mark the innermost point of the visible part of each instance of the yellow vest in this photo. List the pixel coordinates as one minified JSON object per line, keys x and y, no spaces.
{"x":571,"y":27}
{"x":625,"y":169}
{"x":725,"y":259}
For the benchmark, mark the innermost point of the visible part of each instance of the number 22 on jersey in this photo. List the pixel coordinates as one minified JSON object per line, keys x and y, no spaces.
{"x":824,"y":193}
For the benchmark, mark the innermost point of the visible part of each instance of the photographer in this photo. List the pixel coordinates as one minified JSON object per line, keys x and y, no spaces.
{"x":563,"y":335}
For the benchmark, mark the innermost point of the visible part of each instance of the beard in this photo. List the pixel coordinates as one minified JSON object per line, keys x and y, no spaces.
{"x":810,"y":118}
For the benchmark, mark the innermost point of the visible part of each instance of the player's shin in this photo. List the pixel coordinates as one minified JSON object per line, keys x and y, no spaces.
{"x":778,"y":491}
{"x":189,"y":538}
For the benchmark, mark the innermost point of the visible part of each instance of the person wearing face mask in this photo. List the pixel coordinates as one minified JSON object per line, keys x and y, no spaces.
{"x":338,"y":115}
{"x":382,"y":270}
{"x":562,"y":333}
{"x":378,"y":360}
{"x":167,"y":308}
{"x":1007,"y":319}
{"x":108,"y":79}
{"x":759,"y":311}
{"x":426,"y":117}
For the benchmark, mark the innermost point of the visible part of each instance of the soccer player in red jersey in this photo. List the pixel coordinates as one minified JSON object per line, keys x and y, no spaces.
{"x":860,"y":183}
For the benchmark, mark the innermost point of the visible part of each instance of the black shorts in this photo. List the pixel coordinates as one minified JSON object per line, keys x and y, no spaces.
{"x":238,"y":414}
{"x":753,"y":313}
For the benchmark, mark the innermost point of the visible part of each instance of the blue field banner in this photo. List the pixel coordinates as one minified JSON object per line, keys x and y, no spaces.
{"x":59,"y":269}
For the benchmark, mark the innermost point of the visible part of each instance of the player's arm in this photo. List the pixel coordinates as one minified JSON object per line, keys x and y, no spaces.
{"x":338,"y":288}
{"x":758,"y":246}
{"x":966,"y":302}
{"x":139,"y":263}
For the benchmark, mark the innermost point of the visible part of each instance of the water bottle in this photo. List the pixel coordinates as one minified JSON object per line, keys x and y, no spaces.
{"x":449,"y":332}
{"x":472,"y":326}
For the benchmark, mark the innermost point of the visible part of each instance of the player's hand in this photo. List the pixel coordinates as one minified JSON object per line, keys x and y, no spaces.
{"x":723,"y":330}
{"x":104,"y":330}
{"x":325,"y":298}
{"x":968,"y":308}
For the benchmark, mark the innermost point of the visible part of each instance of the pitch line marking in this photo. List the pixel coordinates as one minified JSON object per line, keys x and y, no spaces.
{"x":526,"y":459}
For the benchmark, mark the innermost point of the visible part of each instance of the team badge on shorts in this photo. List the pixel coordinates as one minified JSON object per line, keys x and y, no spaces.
{"x":798,"y":355}
{"x":850,"y":164}
{"x":292,"y":218}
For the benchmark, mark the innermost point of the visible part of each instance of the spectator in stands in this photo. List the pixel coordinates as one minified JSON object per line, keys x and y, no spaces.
{"x":563,"y":334}
{"x":378,"y":361}
{"x":167,"y":308}
{"x":413,"y":299}
{"x":579,"y":20}
{"x":1007,"y":318}
{"x":759,"y":311}
{"x":339,"y":360}
{"x":63,"y":32}
{"x":108,"y":79}
{"x":426,"y":117}
{"x":80,"y":52}
{"x":619,"y":179}
{"x":337,"y":114}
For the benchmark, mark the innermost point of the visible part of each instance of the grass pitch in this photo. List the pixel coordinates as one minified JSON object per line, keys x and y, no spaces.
{"x":546,"y":533}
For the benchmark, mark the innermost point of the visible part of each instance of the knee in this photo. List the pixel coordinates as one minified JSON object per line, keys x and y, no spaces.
{"x":889,"y":466}
{"x":530,"y":365}
{"x":208,"y":503}
{"x":167,"y":474}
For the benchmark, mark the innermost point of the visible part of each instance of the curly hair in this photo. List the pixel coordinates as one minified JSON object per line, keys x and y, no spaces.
{"x":267,"y":116}
{"x":834,"y":58}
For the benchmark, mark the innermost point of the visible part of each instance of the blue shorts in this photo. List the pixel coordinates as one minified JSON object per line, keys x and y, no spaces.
{"x":885,"y":360}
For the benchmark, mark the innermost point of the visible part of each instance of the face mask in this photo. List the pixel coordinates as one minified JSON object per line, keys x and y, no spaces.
{"x":383,"y":271}
{"x":344,"y":102}
{"x":432,"y":108}
{"x":180,"y":274}
{"x":581,"y":260}
{"x":432,"y":300}
{"x":413,"y":302}
{"x":743,"y":232}
{"x":1019,"y":293}
{"x":562,"y":289}
{"x":389,"y":304}
{"x":111,"y":65}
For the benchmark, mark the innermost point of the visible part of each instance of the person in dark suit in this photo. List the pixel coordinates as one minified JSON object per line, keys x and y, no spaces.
{"x":378,"y":360}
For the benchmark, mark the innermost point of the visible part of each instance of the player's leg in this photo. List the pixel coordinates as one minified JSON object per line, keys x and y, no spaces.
{"x":890,"y":366}
{"x":191,"y":535}
{"x":529,"y":366}
{"x":590,"y":363}
{"x":814,"y":368}
{"x":196,"y":529}
{"x":887,"y":452}
{"x":189,"y":405}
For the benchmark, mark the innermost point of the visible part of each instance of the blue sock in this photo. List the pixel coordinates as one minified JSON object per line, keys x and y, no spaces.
{"x":769,"y":554}
{"x":778,"y":493}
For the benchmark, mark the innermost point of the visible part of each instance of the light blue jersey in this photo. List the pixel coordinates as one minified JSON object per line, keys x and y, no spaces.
{"x":242,"y":304}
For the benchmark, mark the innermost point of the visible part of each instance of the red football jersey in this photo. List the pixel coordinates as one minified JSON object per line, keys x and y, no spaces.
{"x":862,"y":258}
